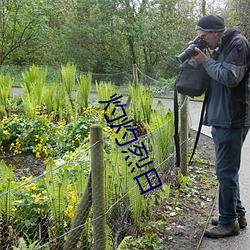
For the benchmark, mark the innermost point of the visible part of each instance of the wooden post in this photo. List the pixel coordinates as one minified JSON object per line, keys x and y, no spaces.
{"x":184,"y":135}
{"x":135,"y":82}
{"x":135,"y":74}
{"x":80,"y":218}
{"x":98,"y":194}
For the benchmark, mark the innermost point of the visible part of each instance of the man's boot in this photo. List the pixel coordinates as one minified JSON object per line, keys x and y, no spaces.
{"x":221,"y":231}
{"x":241,"y":219}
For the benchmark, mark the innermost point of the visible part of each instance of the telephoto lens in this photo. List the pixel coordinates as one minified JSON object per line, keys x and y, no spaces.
{"x":190,"y":50}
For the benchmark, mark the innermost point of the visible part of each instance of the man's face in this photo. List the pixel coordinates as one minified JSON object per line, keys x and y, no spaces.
{"x":211,"y":38}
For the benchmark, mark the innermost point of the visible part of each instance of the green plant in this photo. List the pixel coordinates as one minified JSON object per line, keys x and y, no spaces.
{"x":147,"y":241}
{"x":29,"y":245}
{"x":161,"y":128}
{"x":34,"y":81}
{"x":83,"y":91}
{"x":48,"y":98}
{"x":104,"y":91}
{"x":164,"y":192}
{"x":184,"y":181}
{"x":30,"y":208}
{"x":5,"y":90}
{"x":56,"y":187}
{"x":6,"y":184}
{"x":141,"y":103}
{"x":68,"y":74}
{"x":176,"y":199}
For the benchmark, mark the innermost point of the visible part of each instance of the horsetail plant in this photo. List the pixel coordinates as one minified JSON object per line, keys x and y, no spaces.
{"x":48,"y":98}
{"x":141,"y":106}
{"x":5,"y":89}
{"x":83,"y":91}
{"x":68,"y":74}
{"x":56,"y":184}
{"x":33,"y":85}
{"x":161,"y":126}
{"x":6,"y":184}
{"x":104,"y":91}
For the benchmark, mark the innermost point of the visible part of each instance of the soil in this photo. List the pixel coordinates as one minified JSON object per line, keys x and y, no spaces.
{"x":187,"y":222}
{"x":25,"y":164}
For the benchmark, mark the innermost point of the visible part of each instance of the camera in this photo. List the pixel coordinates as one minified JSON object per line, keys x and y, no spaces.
{"x":190,"y":51}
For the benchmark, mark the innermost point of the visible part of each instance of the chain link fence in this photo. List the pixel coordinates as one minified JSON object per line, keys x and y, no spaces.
{"x":95,"y":202}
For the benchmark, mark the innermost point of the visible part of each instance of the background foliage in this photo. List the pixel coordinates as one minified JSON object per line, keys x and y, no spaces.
{"x":106,"y":36}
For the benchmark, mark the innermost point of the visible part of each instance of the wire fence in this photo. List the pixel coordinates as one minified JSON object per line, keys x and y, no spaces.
{"x":57,"y":209}
{"x":160,"y":87}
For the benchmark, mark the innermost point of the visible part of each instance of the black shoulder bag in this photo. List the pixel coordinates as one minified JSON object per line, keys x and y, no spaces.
{"x":191,"y":81}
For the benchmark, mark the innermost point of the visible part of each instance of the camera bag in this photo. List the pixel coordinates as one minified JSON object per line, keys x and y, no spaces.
{"x":192,"y":79}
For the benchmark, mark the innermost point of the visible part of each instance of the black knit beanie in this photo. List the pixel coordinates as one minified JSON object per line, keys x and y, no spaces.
{"x":211,"y":23}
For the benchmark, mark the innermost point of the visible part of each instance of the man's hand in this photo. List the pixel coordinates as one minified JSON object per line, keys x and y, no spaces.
{"x":200,"y":58}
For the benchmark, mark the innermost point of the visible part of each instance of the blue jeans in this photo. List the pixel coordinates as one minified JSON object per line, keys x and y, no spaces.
{"x":228,"y":145}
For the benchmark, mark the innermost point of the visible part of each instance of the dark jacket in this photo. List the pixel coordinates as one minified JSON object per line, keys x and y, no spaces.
{"x":228,"y":103}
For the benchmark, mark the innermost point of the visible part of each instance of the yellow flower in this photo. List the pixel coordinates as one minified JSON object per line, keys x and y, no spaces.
{"x":45,"y":151}
{"x":37,"y":196}
{"x":38,"y":156}
{"x":14,"y":209}
{"x":69,"y":211}
{"x":73,"y":199}
{"x":6,"y":132}
{"x":31,"y":187}
{"x":16,"y":152}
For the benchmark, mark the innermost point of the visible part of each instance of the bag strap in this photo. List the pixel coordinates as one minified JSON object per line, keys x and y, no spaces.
{"x":199,"y":127}
{"x":176,"y":126}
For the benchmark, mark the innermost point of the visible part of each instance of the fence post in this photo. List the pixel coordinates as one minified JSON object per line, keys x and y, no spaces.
{"x":184,"y":135}
{"x":80,"y":218}
{"x":135,"y":74}
{"x":98,"y":195}
{"x":135,"y":82}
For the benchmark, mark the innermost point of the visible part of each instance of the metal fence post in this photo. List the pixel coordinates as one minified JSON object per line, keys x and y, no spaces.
{"x":98,"y":194}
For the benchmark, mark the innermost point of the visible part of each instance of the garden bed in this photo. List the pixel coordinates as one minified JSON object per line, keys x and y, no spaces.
{"x":180,"y":217}
{"x":178,"y":220}
{"x":187,"y":223}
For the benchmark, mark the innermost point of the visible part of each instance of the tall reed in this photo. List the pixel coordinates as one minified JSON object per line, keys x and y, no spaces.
{"x":5,"y":90}
{"x":161,"y":128}
{"x":56,"y":184}
{"x":83,"y":91}
{"x":33,"y":86}
{"x":68,"y":74}
{"x":6,"y":184}
{"x":141,"y":103}
{"x":104,"y":91}
{"x":62,"y":106}
{"x":48,"y":97}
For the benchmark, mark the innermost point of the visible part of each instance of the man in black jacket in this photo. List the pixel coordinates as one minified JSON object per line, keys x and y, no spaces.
{"x":228,"y":112}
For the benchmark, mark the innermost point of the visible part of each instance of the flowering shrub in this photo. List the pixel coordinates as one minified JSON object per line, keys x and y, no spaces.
{"x":43,"y":137}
